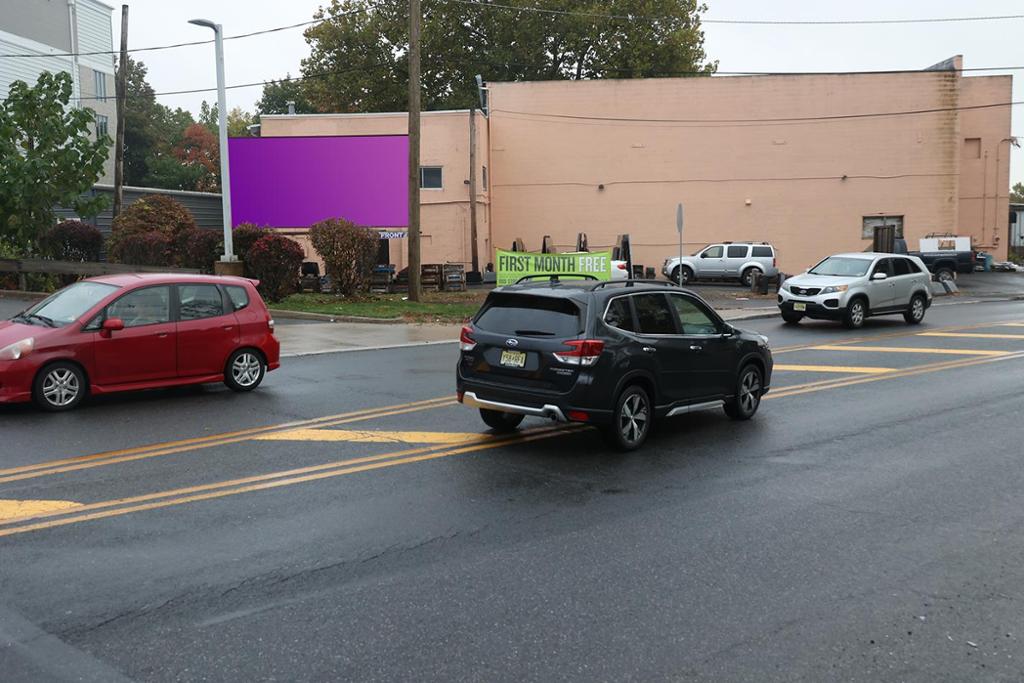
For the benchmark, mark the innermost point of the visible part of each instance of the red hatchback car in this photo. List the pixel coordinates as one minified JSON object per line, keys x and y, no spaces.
{"x":138,"y":331}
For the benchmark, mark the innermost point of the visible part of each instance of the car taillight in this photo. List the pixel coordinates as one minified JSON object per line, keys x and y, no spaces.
{"x":584,"y":352}
{"x":621,"y":266}
{"x":775,"y":262}
{"x":466,"y":341}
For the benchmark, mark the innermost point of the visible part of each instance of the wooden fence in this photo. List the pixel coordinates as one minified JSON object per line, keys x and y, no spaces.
{"x":83,"y":268}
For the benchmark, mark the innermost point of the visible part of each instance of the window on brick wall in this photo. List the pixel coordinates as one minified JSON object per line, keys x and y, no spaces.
{"x":485,"y":177}
{"x":431,"y":178}
{"x":972,"y":148}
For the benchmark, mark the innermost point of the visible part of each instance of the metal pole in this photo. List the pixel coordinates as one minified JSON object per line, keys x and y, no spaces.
{"x":121,"y":96}
{"x":414,"y":150}
{"x":472,"y":189}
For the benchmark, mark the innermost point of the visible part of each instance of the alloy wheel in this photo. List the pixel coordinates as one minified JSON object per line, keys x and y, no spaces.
{"x":917,"y":308}
{"x":857,"y":313}
{"x":246,"y":369}
{"x":61,"y":387}
{"x":633,"y":418}
{"x":750,"y":391}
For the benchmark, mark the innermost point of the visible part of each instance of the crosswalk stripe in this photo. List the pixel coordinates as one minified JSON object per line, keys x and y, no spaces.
{"x":972,"y":335}
{"x":909,"y":349}
{"x":850,"y":370}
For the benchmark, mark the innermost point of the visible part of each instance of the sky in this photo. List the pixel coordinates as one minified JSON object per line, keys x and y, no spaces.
{"x":736,"y":47}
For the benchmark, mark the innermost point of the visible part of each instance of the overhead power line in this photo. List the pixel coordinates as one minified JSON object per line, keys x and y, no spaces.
{"x":747,"y":22}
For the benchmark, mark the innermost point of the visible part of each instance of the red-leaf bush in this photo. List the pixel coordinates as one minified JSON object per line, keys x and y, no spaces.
{"x":71,"y":241}
{"x":244,"y":236}
{"x":275,"y":261}
{"x":203,"y":248}
{"x":145,"y":249}
{"x":154,"y":214}
{"x":349,"y":253}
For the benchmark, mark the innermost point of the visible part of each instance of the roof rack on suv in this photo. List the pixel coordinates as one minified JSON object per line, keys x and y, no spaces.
{"x":631,"y":281}
{"x":555,"y":277}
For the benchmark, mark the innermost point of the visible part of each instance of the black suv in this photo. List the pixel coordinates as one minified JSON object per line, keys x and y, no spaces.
{"x":613,"y":354}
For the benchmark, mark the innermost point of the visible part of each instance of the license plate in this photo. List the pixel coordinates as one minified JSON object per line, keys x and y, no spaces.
{"x":513,"y":359}
{"x":799,"y":307}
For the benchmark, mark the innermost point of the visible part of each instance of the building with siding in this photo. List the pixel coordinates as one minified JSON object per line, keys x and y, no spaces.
{"x":57,"y":35}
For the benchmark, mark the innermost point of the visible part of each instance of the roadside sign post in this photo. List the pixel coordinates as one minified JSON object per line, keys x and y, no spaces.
{"x":679,"y":229}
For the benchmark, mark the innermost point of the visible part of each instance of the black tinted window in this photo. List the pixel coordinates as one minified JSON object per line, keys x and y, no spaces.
{"x":619,"y":314}
{"x":199,"y":301}
{"x":901,"y":266}
{"x":653,"y":314}
{"x":148,"y":306}
{"x":762,"y":252}
{"x":524,"y":315}
{"x":914,"y":268}
{"x":736,"y":252}
{"x":239,"y":297}
{"x":883,"y":266}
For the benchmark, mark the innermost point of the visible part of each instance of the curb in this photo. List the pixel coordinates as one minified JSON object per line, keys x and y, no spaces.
{"x":323,"y":317}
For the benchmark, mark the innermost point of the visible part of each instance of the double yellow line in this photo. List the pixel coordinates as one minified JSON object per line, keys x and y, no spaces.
{"x":142,"y":452}
{"x":191,"y":494}
{"x":915,"y":331}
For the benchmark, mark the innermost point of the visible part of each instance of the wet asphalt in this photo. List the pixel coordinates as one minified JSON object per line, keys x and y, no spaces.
{"x":864,"y":526}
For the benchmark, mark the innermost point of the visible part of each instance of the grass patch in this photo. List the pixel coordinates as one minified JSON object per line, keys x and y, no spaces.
{"x":436,"y":307}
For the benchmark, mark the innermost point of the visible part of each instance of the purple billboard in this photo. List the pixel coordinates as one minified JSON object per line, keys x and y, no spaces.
{"x":293,"y":182}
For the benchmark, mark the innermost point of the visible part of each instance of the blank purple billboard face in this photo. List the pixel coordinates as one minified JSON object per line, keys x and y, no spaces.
{"x":293,"y":182}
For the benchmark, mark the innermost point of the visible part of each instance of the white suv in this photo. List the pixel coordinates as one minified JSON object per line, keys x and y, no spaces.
{"x":724,"y":260}
{"x":851,"y":287}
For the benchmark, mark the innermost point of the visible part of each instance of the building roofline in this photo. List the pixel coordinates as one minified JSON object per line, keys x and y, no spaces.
{"x":101,"y":4}
{"x":439,"y":112}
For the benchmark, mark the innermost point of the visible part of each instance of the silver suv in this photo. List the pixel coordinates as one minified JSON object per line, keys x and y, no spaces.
{"x":851,"y":287}
{"x":725,"y":260}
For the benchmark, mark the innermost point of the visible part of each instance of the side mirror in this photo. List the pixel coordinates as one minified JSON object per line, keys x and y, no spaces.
{"x":111,"y":325}
{"x":704,"y":255}
{"x":879,"y":276}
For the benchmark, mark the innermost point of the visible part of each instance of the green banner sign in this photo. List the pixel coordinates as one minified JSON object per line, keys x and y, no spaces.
{"x":512,"y":265}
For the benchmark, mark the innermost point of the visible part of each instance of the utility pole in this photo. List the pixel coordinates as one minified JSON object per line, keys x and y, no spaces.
{"x":121,"y":96}
{"x":472,"y":189}
{"x":414,"y":150}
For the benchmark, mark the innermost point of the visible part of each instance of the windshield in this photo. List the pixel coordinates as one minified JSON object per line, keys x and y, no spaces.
{"x":69,"y":304}
{"x":843,"y":266}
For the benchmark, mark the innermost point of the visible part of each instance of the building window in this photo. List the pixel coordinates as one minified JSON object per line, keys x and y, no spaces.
{"x":871,"y":222}
{"x":100,"y":80}
{"x":485,"y":177}
{"x":430,"y":178}
{"x":101,"y":126}
{"x":972,"y":148}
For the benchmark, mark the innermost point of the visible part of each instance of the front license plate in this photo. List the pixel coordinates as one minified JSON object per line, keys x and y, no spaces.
{"x":799,"y":307}
{"x":513,"y":359}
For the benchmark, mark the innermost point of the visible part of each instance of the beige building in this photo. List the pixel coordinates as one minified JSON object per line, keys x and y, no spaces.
{"x":810,"y":163}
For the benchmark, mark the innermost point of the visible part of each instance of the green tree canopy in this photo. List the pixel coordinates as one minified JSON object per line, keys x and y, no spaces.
{"x":358,"y":59}
{"x":151,"y":131}
{"x":48,"y":156}
{"x":277,"y":95}
{"x":1017,"y":194}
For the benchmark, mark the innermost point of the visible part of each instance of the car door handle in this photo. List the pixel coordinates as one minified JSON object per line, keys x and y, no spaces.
{"x":162,"y":335}
{"x":696,"y":347}
{"x":228,"y":328}
{"x":649,"y":349}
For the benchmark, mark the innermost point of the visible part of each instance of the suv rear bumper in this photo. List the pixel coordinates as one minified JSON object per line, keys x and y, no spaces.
{"x":470,"y":399}
{"x":567,"y":407}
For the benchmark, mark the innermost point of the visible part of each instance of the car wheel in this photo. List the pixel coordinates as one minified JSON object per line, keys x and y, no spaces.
{"x":915,"y":312}
{"x":245,"y":370}
{"x":944,"y":275}
{"x":631,"y":420}
{"x":855,"y":314}
{"x":59,"y":386}
{"x":499,"y":421}
{"x":747,"y":278}
{"x":687,"y":275}
{"x":747,"y":398}
{"x":791,"y":318}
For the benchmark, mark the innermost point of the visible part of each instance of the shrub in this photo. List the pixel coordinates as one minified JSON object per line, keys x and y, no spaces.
{"x":244,"y":236}
{"x":202,"y":249}
{"x":143,"y":249}
{"x":275,"y":260}
{"x":155,"y":214}
{"x":349,"y":253}
{"x":71,"y":241}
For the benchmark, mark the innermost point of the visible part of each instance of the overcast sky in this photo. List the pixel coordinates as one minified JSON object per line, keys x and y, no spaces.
{"x":737,"y":48}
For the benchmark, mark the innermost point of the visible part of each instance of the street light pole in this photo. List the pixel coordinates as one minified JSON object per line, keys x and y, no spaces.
{"x":229,"y":264}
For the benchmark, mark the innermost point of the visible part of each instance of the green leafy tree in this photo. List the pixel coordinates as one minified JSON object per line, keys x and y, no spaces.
{"x":358,"y":59}
{"x":239,"y":121}
{"x":1017,"y":194}
{"x":48,"y":157}
{"x":277,"y":95}
{"x":151,"y":131}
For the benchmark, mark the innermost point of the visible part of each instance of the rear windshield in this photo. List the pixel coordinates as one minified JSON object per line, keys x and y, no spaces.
{"x":530,"y":316}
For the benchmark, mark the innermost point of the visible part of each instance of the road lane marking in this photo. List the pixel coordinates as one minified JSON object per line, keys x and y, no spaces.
{"x":845,"y":369}
{"x":972,"y":335}
{"x":889,"y":335}
{"x":114,"y":457}
{"x":327,"y":471}
{"x":18,"y":509}
{"x":373,"y":436}
{"x":906,"y":349}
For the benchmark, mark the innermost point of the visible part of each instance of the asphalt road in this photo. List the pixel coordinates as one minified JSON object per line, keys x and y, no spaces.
{"x":348,"y":521}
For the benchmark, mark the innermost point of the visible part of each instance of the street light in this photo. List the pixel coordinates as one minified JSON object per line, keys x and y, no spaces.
{"x":225,"y":184}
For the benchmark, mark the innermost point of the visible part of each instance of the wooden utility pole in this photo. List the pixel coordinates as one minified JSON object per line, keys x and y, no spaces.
{"x":121,"y":88}
{"x":472,"y":188}
{"x":414,"y":150}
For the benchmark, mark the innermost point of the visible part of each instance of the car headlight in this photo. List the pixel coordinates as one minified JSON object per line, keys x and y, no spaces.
{"x":18,"y":349}
{"x":785,"y":286}
{"x":764,"y":341}
{"x":834,"y":289}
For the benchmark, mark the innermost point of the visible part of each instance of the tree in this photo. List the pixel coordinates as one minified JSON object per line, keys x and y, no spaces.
{"x":200,"y":151}
{"x":239,"y":121}
{"x":48,"y":157}
{"x":1017,"y":194}
{"x":358,"y":57}
{"x":277,"y":94}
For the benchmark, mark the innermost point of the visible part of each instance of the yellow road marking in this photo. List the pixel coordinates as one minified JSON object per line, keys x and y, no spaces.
{"x":371,"y":436}
{"x":889,"y":335}
{"x":847,"y":369}
{"x":276,"y":480}
{"x":905,"y":349}
{"x":96,"y":461}
{"x":19,"y":509}
{"x":972,"y":335}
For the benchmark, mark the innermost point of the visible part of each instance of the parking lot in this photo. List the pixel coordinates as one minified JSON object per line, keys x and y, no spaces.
{"x":351,"y":520}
